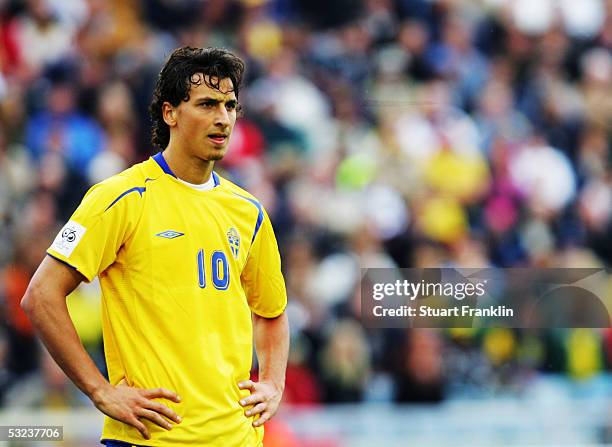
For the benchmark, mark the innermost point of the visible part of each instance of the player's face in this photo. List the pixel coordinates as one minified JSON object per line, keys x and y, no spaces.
{"x":205,"y":123}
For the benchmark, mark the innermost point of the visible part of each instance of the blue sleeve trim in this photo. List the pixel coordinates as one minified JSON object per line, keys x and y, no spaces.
{"x":63,"y":262}
{"x":161,"y":161}
{"x":139,"y":189}
{"x":260,"y":216}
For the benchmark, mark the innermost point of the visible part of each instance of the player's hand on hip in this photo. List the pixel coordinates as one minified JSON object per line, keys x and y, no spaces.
{"x":129,"y":404}
{"x":265,"y":398}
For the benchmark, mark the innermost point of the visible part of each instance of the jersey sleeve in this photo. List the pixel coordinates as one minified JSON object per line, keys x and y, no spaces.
{"x":261,"y":277}
{"x":89,"y":242}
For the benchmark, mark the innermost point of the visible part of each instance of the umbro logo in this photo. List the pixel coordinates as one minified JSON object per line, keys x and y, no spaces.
{"x":170,"y":234}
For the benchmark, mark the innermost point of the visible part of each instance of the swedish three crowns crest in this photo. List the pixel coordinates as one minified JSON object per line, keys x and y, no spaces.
{"x":234,"y":241}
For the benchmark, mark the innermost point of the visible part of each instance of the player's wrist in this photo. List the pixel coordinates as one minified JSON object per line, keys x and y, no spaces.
{"x":98,"y":392}
{"x":278,"y":385}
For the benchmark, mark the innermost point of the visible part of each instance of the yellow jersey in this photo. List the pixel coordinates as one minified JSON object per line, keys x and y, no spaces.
{"x":181,"y":270}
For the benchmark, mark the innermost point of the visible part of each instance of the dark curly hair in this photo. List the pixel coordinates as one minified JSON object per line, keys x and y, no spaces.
{"x":176,"y":78}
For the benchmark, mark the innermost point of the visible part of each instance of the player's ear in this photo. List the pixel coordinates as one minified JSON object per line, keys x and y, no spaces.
{"x":169,"y":114}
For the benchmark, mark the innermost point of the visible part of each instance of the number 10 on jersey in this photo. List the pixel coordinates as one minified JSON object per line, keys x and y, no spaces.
{"x":219,"y":270}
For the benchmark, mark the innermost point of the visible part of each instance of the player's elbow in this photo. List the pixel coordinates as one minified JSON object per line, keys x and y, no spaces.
{"x":33,"y":299}
{"x":28,"y":300}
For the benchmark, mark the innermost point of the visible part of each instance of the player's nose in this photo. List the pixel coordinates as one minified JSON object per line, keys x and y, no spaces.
{"x":222,"y":118}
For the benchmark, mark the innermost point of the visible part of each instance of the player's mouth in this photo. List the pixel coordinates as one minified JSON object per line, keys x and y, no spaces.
{"x":218,"y":139}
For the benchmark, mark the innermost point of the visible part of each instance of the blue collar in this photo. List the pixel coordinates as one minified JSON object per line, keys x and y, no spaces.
{"x":161,"y":161}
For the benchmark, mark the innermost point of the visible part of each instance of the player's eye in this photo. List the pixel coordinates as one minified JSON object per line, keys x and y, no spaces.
{"x":231,"y":105}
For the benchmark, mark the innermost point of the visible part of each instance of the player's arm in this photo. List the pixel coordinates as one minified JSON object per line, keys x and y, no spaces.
{"x":264,"y":285}
{"x":45,"y":305}
{"x":272,"y":346}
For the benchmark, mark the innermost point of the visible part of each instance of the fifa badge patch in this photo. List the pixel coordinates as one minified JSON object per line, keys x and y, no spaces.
{"x":68,"y":238}
{"x":234,"y":241}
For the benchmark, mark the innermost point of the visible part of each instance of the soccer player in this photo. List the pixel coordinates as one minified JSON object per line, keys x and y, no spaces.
{"x":190,"y":275}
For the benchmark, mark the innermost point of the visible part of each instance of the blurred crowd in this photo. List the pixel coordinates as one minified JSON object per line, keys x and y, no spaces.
{"x":377,"y":133}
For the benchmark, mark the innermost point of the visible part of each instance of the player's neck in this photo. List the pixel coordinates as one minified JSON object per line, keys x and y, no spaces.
{"x":190,"y":169}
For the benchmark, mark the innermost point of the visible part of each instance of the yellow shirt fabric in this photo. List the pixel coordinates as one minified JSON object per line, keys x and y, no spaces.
{"x":181,"y":270}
